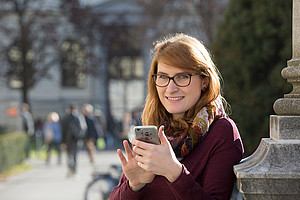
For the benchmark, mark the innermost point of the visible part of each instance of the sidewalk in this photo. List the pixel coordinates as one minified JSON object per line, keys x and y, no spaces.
{"x":49,"y":182}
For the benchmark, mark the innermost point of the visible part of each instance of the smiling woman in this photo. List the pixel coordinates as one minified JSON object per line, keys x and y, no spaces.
{"x":199,"y":143}
{"x":178,"y":99}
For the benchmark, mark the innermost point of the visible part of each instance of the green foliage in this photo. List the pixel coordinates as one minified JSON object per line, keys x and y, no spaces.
{"x":12,"y":149}
{"x":252,"y":46}
{"x":17,"y":169}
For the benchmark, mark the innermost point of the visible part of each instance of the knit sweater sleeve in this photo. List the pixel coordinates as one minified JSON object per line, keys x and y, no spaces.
{"x":123,"y":191}
{"x":216,"y":179}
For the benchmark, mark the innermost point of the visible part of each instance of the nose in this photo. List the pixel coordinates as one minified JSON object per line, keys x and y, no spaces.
{"x":172,"y":87}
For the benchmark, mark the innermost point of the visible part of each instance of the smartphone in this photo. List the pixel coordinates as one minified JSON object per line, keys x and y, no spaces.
{"x":146,"y":134}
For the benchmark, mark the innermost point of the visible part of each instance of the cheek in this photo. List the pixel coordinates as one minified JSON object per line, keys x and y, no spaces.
{"x":194,"y":94}
{"x":160,"y":93}
{"x":197,"y":96}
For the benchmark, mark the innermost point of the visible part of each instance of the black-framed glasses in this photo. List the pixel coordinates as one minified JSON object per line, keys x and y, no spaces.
{"x":181,"y":80}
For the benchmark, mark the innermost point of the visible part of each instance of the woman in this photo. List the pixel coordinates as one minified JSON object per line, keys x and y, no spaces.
{"x":199,"y":144}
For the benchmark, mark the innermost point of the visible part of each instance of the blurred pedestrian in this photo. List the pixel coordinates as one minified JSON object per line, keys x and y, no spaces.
{"x":127,"y":127}
{"x":73,"y":127}
{"x":28,"y":126}
{"x":136,"y":117}
{"x":130,"y":120}
{"x":93,"y":131}
{"x":53,"y":136}
{"x":102,"y":121}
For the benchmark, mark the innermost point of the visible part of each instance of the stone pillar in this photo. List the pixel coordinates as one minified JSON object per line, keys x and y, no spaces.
{"x":273,"y":171}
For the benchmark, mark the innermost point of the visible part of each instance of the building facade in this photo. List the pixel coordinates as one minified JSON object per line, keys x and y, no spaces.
{"x":117,"y":85}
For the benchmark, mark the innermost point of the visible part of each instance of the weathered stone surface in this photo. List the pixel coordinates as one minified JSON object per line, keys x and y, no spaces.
{"x":272,"y":172}
{"x":296,"y":29}
{"x":284,"y":127}
{"x":287,"y":106}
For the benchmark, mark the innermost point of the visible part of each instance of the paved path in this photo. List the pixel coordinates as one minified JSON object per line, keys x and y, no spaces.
{"x":49,"y":182}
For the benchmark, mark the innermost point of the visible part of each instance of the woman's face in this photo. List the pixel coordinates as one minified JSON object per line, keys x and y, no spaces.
{"x":177,"y":100}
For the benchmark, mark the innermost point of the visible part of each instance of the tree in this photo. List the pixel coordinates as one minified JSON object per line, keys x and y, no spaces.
{"x":251,"y":47}
{"x":210,"y":12}
{"x":87,"y":27}
{"x":120,"y":37}
{"x":28,"y":44}
{"x":195,"y":17}
{"x":119,"y":45}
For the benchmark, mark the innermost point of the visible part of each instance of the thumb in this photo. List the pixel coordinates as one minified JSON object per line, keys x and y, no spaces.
{"x":162,"y":136}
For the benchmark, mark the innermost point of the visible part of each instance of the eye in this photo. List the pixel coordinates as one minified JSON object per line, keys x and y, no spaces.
{"x":183,"y":76}
{"x":160,"y":76}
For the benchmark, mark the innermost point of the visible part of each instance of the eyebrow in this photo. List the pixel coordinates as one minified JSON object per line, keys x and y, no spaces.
{"x":163,"y":73}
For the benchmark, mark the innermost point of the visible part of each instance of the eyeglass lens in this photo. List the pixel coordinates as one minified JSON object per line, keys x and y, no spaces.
{"x":181,"y":80}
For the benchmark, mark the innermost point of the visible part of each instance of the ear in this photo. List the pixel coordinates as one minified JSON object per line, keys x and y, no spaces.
{"x":205,"y":82}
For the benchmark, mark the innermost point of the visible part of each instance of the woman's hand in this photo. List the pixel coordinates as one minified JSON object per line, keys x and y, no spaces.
{"x":158,"y":159}
{"x":137,"y":176}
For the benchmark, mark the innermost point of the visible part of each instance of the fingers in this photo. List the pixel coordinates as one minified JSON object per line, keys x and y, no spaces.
{"x":161,"y":128}
{"x":140,"y":153}
{"x":140,"y":144}
{"x":127,"y":149}
{"x":162,"y":136}
{"x":122,"y":157}
{"x":140,"y":164}
{"x":128,"y":153}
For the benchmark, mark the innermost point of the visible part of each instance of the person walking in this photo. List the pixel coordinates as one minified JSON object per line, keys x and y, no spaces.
{"x":100,"y":117}
{"x":73,"y":128}
{"x":93,"y":131}
{"x":53,"y":136}
{"x":28,"y":126}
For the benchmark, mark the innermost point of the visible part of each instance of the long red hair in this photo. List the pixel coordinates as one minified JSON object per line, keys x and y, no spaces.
{"x":187,"y":53}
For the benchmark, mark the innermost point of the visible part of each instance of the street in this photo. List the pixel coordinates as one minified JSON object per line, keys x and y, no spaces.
{"x":49,"y":182}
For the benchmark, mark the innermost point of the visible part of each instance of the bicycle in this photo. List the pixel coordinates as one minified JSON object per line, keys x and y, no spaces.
{"x":102,"y":184}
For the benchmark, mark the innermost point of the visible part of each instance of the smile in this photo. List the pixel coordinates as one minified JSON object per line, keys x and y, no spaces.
{"x":174,"y":98}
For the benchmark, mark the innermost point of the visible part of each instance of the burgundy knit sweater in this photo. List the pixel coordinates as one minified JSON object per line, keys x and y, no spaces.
{"x":207,"y":171}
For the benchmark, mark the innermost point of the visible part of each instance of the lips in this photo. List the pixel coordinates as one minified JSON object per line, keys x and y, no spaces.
{"x":174,"y":98}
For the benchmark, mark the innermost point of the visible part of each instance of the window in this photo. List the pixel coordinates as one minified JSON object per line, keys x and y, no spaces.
{"x":73,"y":64}
{"x":126,"y":67}
{"x":17,"y":73}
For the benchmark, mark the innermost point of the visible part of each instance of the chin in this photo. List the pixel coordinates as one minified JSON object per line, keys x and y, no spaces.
{"x":175,"y":112}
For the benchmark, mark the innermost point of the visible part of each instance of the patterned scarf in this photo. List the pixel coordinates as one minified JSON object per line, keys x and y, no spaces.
{"x":183,"y":143}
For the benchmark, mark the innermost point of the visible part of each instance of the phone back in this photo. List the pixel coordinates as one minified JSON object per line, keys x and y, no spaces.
{"x":147,"y":134}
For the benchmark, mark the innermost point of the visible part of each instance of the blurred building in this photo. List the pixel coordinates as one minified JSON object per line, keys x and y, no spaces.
{"x":119,"y":84}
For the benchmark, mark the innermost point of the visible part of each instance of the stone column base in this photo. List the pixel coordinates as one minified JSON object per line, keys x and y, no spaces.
{"x":284,"y":128}
{"x":272,"y":172}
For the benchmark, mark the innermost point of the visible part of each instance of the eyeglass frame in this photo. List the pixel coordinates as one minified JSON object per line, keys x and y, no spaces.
{"x":154,"y":76}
